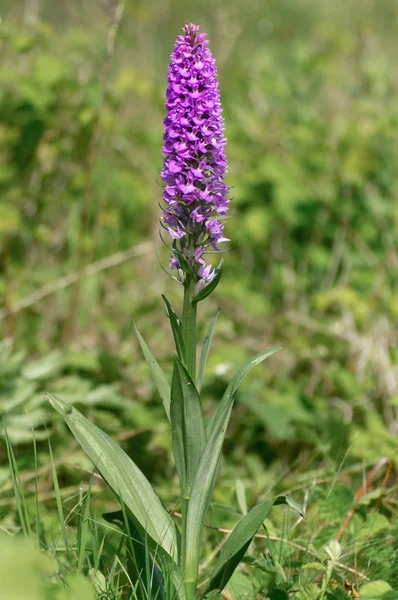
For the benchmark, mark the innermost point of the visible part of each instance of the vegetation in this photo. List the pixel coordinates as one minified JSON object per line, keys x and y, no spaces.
{"x":311,"y":121}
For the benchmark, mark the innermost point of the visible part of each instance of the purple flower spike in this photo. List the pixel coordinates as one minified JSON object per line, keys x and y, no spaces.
{"x":194,"y":154}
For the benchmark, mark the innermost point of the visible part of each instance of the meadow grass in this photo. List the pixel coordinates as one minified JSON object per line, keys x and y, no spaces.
{"x":343,"y":543}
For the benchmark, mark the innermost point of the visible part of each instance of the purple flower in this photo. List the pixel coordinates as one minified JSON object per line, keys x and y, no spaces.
{"x":195,"y":194}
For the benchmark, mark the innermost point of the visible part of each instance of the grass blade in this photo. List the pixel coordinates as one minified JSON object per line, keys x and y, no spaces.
{"x":158,"y":376}
{"x":37,"y":512}
{"x":58,"y":500}
{"x":205,"y":352}
{"x":19,"y":496}
{"x":83,"y":527}
{"x":141,"y":569}
{"x":124,"y":477}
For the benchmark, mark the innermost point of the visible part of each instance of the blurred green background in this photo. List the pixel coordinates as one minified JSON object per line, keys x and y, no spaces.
{"x":309,"y":91}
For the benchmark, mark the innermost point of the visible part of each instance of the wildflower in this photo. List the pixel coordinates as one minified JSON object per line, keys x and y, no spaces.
{"x":194,"y":155}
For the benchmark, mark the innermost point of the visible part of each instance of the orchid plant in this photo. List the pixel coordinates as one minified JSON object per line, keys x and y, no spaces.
{"x":164,"y":558}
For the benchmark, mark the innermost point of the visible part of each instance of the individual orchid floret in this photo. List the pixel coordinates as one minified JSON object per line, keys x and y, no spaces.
{"x":195,"y":194}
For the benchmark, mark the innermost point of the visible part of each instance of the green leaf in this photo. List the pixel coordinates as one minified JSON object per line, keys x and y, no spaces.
{"x":210,"y":287}
{"x":313,"y":565}
{"x":23,"y":567}
{"x":79,"y":588}
{"x":176,"y":329}
{"x":374,"y":589}
{"x":205,"y":478}
{"x":237,"y":379}
{"x":185,"y":266}
{"x":241,"y":496}
{"x":239,"y":541}
{"x":244,"y":587}
{"x":58,"y":500}
{"x":308,"y":591}
{"x":205,"y":353}
{"x":337,"y":503}
{"x":124,"y":477}
{"x":44,"y":367}
{"x":158,"y":376}
{"x":282,"y":499}
{"x":18,"y":491}
{"x":333,"y":550}
{"x":187,"y":425}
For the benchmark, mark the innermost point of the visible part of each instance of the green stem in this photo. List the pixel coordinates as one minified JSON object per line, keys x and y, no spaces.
{"x":326,"y":579}
{"x":189,"y":326}
{"x":189,"y":337}
{"x":190,"y":588}
{"x":184,"y":511}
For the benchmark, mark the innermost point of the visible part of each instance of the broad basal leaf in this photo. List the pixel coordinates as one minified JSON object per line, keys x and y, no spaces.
{"x":124,"y":477}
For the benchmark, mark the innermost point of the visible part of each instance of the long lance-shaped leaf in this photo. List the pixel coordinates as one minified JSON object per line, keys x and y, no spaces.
{"x":237,"y":379}
{"x":238,"y":542}
{"x":159,"y":378}
{"x":176,"y":330}
{"x":124,"y":477}
{"x":187,"y":425}
{"x":204,"y":482}
{"x":205,"y":353}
